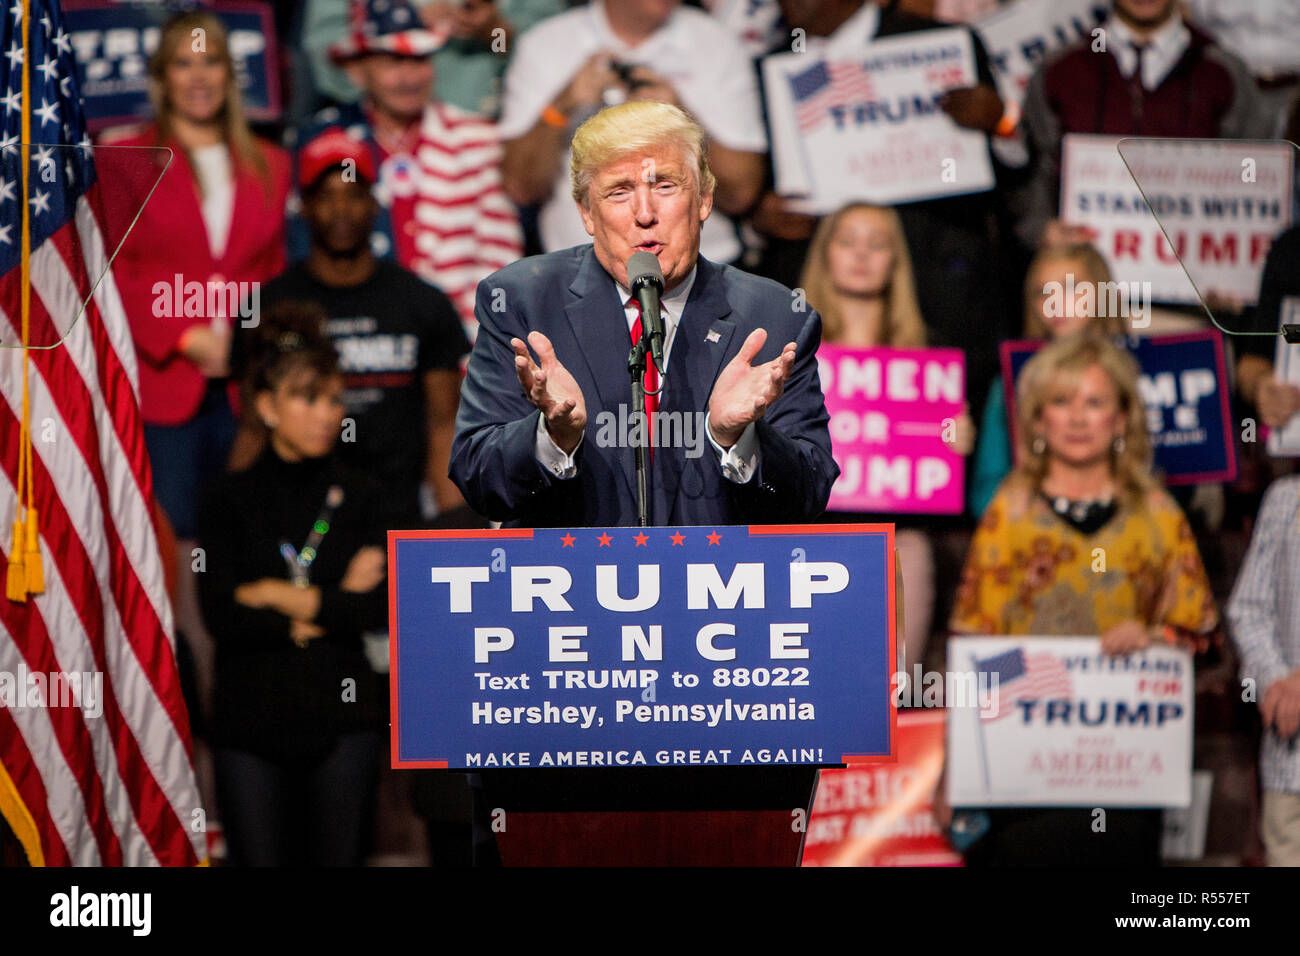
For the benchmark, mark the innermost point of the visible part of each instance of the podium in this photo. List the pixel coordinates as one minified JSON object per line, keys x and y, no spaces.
{"x":644,"y":697}
{"x":652,"y":816}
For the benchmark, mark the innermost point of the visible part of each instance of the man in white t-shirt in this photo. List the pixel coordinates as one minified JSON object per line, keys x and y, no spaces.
{"x":568,"y":67}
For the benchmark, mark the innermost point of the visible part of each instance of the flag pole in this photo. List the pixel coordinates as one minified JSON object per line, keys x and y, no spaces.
{"x":25,"y":575}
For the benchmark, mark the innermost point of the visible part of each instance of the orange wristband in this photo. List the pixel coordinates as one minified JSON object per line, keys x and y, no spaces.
{"x":1010,"y":120}
{"x":553,"y":117}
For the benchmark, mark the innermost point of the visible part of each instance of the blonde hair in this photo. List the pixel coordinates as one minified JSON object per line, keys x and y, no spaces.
{"x":234,"y":127}
{"x":903,"y":327}
{"x":1094,"y":269}
{"x":636,"y":127}
{"x":1057,"y":368}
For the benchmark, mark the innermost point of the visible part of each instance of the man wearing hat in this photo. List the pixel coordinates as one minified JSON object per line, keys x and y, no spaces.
{"x":400,"y":340}
{"x":437,"y":167}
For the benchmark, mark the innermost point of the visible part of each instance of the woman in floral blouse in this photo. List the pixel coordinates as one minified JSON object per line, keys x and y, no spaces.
{"x":1080,"y":540}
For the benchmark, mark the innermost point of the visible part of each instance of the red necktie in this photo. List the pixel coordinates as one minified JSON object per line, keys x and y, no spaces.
{"x":651,"y":381}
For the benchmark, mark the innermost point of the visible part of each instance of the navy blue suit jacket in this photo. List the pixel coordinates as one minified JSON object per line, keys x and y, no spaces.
{"x":570,"y":298}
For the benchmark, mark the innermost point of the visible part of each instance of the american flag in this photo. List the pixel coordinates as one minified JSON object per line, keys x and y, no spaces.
{"x":1034,"y":675}
{"x":76,"y":787}
{"x":827,"y":84}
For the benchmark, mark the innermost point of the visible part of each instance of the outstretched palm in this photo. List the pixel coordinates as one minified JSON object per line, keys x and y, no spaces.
{"x":550,"y":388}
{"x":744,"y":392}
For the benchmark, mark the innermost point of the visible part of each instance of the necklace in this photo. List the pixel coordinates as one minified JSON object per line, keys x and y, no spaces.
{"x":1087,"y":515}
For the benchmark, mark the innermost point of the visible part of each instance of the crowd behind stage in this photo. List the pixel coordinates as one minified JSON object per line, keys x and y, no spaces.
{"x":450,"y":124}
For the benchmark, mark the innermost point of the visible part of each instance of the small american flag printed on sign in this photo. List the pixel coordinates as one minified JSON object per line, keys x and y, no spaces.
{"x":1023,"y":676}
{"x":824,"y":85}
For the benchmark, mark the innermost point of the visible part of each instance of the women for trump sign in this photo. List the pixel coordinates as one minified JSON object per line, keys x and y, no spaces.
{"x":891,"y":411}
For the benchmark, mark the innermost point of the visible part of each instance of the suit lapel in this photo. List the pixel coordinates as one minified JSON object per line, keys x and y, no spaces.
{"x":699,"y":347}
{"x":596,"y":318}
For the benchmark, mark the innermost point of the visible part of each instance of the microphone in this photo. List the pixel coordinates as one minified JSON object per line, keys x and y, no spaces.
{"x":646,"y":280}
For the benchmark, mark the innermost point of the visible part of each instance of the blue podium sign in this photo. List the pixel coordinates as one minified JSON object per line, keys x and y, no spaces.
{"x":642,"y":647}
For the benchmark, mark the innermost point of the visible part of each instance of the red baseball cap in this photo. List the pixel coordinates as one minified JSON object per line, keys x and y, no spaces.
{"x":333,"y":148}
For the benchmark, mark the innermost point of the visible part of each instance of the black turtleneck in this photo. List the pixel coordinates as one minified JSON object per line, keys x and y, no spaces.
{"x":272,"y":696}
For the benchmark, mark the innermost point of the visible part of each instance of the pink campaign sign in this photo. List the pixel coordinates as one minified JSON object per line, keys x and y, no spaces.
{"x":887,"y":409}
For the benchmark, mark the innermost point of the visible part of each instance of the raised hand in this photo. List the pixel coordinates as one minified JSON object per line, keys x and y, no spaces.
{"x":1277,"y":402}
{"x":743,"y":392}
{"x":367,"y":568}
{"x":550,"y":388}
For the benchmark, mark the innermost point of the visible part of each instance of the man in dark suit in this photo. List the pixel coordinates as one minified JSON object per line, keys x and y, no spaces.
{"x":540,"y":440}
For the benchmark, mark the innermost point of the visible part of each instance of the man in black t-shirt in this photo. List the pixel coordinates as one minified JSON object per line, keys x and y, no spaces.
{"x":400,"y":340}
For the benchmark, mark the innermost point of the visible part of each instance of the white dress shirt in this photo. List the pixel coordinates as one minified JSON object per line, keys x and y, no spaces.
{"x":1165,"y":48}
{"x":217,"y":183}
{"x":739,"y":462}
{"x":705,"y":65}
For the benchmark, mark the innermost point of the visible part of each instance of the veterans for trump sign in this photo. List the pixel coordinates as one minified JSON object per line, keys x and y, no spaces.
{"x":889,"y":410}
{"x":871,"y":128}
{"x":1072,"y":726}
{"x":1019,"y":35}
{"x":1162,"y":206}
{"x":642,"y":647}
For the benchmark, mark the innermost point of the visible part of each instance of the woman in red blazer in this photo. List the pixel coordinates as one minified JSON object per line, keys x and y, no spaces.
{"x":212,"y":231}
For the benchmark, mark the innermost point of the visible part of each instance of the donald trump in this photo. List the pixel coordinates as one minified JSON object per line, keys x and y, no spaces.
{"x":738,"y":424}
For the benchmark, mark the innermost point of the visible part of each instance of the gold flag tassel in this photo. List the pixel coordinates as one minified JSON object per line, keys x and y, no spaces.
{"x":25,"y":575}
{"x":16,"y":580}
{"x":16,"y":577}
{"x":32,"y":556}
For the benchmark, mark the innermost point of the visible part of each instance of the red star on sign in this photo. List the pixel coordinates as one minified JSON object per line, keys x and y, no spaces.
{"x":678,"y":538}
{"x":640,"y":539}
{"x":568,"y":540}
{"x":604,"y":540}
{"x":715,"y":538}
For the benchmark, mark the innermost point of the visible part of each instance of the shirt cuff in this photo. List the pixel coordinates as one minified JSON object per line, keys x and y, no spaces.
{"x":551,"y":456}
{"x":740,"y":461}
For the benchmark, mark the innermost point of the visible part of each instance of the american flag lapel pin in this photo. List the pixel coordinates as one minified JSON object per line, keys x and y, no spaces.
{"x":713,"y":336}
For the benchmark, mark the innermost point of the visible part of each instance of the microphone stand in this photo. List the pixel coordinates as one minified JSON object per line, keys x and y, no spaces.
{"x":636,"y":360}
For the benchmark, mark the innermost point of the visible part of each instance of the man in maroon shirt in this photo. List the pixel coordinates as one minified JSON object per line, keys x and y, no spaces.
{"x":1146,"y":73}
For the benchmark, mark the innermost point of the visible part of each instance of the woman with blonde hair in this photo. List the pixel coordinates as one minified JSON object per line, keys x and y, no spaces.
{"x":1063,"y":287}
{"x":858,"y":276}
{"x":1083,"y":487}
{"x":215,"y":222}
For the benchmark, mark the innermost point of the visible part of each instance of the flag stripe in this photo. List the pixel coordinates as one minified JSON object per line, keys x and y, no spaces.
{"x":29,"y":783}
{"x":77,"y":611}
{"x":81,"y":759}
{"x":120,"y":786}
{"x":85,"y":562}
{"x":122,"y":450}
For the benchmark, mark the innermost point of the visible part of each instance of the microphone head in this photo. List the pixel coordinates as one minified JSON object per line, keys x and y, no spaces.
{"x":643,"y":267}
